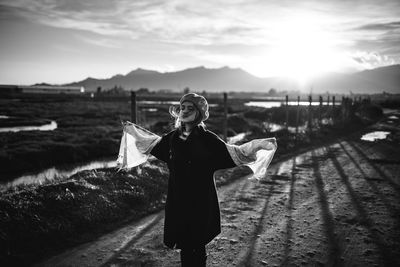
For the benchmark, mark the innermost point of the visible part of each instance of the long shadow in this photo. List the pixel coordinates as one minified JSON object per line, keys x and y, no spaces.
{"x":234,"y":194}
{"x":327,"y":218}
{"x":386,"y":256}
{"x":235,"y":191}
{"x":289,"y":225}
{"x":247,"y":259}
{"x":394,"y":211}
{"x":376,"y":168}
{"x":139,"y":235}
{"x":241,"y":183}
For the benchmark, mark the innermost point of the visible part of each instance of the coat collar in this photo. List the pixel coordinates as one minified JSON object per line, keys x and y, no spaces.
{"x":196,"y":132}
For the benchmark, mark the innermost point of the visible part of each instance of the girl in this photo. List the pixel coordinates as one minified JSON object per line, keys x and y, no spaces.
{"x":193,"y":154}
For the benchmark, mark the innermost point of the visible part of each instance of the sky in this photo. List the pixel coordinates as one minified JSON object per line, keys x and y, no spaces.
{"x":62,"y":41}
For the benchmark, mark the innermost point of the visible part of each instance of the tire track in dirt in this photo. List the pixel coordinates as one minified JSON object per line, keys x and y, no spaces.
{"x":376,"y":168}
{"x":373,"y":183}
{"x":114,"y":258}
{"x":363,"y":218}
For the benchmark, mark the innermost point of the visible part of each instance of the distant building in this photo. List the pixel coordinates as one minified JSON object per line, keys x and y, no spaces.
{"x":41,"y":89}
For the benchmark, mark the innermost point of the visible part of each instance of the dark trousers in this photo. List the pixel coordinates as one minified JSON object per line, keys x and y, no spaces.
{"x":193,"y":257}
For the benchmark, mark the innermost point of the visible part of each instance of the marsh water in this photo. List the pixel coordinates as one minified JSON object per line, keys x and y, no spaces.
{"x":46,"y":127}
{"x":56,"y":172}
{"x":272,"y":104}
{"x":62,"y":172}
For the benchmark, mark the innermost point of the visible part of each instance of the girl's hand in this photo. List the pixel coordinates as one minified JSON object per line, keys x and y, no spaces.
{"x":271,"y":144}
{"x":124,"y":124}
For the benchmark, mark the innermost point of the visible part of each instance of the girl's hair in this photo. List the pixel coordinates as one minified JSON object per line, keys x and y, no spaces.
{"x":174,"y":111}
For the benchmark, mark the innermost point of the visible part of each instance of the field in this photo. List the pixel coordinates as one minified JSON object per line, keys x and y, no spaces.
{"x":37,"y":221}
{"x":90,"y":129}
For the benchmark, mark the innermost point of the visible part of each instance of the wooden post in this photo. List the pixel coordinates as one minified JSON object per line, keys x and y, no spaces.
{"x":344,"y":107}
{"x":333,"y":110}
{"x":328,"y":109}
{"x":350,"y":109}
{"x":287,"y":111}
{"x":310,"y":113}
{"x":133,"y":107}
{"x":297,"y":116}
{"x":320,"y":110}
{"x":225,"y":126}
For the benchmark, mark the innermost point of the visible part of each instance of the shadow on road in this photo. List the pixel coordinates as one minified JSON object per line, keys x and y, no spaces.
{"x":289,"y":225}
{"x":131,"y":242}
{"x":371,"y":183}
{"x":363,"y":218}
{"x":247,"y":259}
{"x":376,"y":168}
{"x":334,"y":253}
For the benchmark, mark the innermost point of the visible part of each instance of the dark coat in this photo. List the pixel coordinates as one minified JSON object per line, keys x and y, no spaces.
{"x":192,"y":216}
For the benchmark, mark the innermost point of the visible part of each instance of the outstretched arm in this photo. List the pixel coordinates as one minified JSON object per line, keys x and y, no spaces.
{"x":247,"y":152}
{"x":257,"y":154}
{"x":136,"y":145}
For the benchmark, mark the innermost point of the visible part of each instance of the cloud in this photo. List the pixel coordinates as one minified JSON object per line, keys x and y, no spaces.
{"x":372,"y":59}
{"x":224,"y":30}
{"x":102,"y":42}
{"x":173,"y":21}
{"x":383,"y":38}
{"x":388,"y":26}
{"x":93,"y":16}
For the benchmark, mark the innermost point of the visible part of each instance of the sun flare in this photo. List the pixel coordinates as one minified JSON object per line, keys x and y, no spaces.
{"x":301,"y":52}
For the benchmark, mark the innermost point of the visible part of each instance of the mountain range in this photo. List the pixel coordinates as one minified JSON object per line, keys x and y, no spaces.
{"x":383,"y":79}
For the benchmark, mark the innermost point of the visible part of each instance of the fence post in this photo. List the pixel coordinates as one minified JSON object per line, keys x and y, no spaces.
{"x":344,"y":108}
{"x":133,"y":107}
{"x":310,"y":113}
{"x":287,"y":111}
{"x":320,"y":110}
{"x":225,"y":125}
{"x":297,"y":116}
{"x":333,"y":110}
{"x":350,"y":109}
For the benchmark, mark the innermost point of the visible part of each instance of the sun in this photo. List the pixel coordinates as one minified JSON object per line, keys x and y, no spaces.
{"x":300,"y":51}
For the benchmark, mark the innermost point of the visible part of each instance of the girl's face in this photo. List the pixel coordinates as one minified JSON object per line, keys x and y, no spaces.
{"x":188,"y":112}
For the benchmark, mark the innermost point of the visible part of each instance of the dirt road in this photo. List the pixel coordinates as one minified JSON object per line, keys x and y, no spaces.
{"x":337,"y":205}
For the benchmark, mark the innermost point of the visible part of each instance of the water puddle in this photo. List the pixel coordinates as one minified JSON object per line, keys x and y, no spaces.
{"x":266,"y":104}
{"x":236,"y":138}
{"x":327,"y":121}
{"x":150,"y":109}
{"x":272,"y":104}
{"x":273,"y":127}
{"x":373,"y":136}
{"x":46,"y":127}
{"x":172,"y":103}
{"x":56,"y":173}
{"x":149,"y":102}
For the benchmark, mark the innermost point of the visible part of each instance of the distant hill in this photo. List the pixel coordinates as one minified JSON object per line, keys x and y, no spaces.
{"x":197,"y":79}
{"x":235,"y":79}
{"x":383,"y":79}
